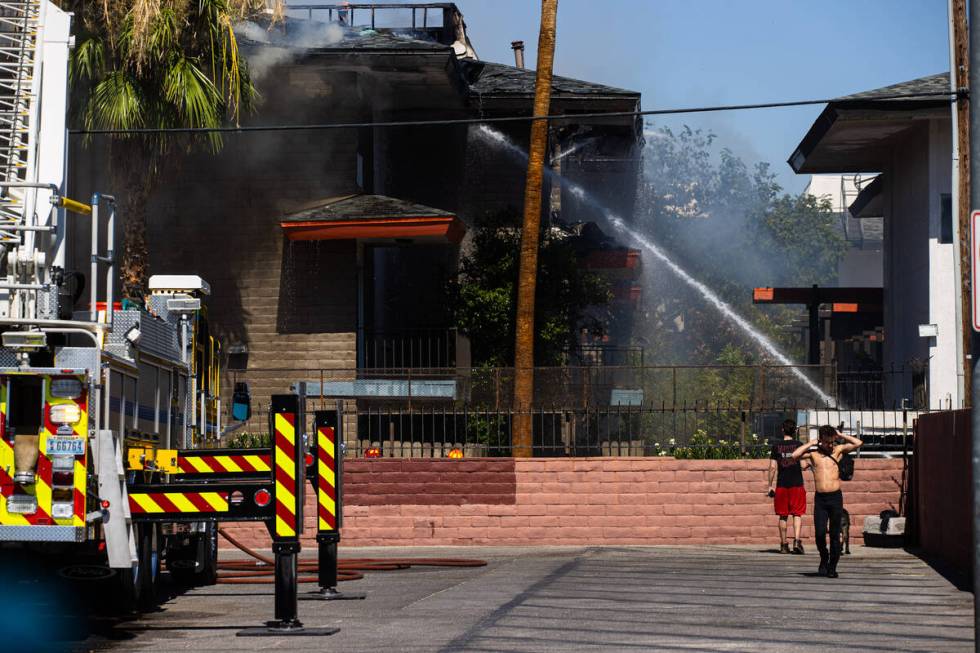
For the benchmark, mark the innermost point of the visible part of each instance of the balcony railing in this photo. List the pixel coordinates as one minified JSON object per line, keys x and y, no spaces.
{"x":410,"y":349}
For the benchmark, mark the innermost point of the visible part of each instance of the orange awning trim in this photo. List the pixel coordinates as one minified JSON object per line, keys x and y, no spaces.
{"x":762,"y":294}
{"x":449,"y":227}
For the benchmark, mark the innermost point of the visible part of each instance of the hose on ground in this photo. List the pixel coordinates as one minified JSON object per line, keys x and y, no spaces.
{"x":262,"y":569}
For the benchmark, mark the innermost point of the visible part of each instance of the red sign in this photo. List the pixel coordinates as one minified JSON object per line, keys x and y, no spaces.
{"x":975,"y":267}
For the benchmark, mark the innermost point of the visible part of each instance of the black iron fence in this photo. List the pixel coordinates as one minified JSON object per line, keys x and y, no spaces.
{"x":429,"y":431}
{"x":681,"y":411}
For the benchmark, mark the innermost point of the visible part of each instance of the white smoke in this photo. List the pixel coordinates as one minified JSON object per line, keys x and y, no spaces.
{"x":278,"y":46}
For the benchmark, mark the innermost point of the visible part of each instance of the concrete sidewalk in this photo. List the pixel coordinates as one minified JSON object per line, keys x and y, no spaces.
{"x":589,"y":599}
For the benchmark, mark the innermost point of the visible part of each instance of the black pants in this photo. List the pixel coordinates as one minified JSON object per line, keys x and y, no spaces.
{"x":828,"y":507}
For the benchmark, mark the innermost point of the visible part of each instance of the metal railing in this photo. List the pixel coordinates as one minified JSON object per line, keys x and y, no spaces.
{"x":412,"y":362}
{"x":686,"y":411}
{"x":432,"y":431}
{"x":431,"y":19}
{"x":409,"y":349}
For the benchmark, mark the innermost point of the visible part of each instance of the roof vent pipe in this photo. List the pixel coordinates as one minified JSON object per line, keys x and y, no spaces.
{"x":518,"y":47}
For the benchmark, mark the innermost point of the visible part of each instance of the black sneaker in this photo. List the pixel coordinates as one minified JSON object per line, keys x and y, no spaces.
{"x":822,"y":569}
{"x":798,"y":547}
{"x":784,"y":547}
{"x":832,"y":573}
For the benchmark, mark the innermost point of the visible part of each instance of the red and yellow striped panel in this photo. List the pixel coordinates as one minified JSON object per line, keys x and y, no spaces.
{"x":79,"y":429}
{"x":286,"y":482}
{"x":42,"y":488}
{"x":207,"y":464}
{"x":177,"y":502}
{"x":326,"y":483}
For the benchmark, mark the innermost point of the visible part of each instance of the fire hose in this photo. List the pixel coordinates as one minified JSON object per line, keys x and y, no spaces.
{"x":262,"y":569}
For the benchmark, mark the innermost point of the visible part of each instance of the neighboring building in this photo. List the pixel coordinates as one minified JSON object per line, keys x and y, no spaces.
{"x":862,"y":265}
{"x":908,"y":141}
{"x":332,"y":248}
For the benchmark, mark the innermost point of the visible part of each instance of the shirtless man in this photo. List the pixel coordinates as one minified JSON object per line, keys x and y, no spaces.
{"x":828,"y":503}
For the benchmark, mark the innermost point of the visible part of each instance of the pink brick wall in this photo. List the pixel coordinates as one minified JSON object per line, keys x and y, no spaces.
{"x":595,"y":501}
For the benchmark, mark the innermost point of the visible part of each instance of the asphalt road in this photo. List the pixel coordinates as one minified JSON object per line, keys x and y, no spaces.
{"x":577,"y":599}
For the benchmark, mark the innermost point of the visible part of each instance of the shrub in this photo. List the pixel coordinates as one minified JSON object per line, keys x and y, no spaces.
{"x":702,"y":447}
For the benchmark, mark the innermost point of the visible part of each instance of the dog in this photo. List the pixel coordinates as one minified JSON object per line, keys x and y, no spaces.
{"x":845,"y":533}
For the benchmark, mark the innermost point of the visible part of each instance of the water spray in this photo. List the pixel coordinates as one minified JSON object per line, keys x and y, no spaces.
{"x":501,"y":140}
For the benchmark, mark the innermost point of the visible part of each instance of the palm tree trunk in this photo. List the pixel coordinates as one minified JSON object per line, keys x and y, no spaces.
{"x":530,"y":236}
{"x":132,"y":184}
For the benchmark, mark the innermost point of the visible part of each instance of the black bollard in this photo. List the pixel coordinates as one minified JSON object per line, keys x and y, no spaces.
{"x":288,"y":424}
{"x":325,"y":475}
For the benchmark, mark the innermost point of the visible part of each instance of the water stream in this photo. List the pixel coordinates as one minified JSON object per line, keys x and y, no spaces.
{"x":616,"y":222}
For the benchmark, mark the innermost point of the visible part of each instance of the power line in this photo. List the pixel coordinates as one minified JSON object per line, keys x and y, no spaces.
{"x":951,"y":97}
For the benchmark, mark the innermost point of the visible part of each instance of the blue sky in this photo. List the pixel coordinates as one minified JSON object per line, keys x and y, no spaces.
{"x":706,"y":52}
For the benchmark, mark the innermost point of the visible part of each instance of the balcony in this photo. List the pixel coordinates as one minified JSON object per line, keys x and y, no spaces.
{"x":404,"y":349}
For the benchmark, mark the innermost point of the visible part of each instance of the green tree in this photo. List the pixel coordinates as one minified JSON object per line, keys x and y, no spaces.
{"x":733,"y":228}
{"x":568,"y":297}
{"x":155,"y":64}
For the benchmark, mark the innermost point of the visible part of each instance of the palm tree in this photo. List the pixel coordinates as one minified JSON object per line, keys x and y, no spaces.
{"x":156,"y":64}
{"x":530,"y":236}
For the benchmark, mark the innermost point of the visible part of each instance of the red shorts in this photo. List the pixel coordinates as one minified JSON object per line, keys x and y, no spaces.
{"x":790,"y":501}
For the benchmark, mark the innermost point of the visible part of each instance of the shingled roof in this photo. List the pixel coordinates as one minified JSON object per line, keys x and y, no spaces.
{"x":850,"y":133}
{"x":933,"y":84}
{"x":377,"y":41}
{"x":362,"y":207}
{"x":490,"y":78}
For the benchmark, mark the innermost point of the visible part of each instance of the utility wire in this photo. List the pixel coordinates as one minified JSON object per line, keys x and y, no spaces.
{"x":951,"y":97}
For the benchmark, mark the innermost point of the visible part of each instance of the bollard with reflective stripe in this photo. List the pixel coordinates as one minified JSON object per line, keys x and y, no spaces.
{"x":287,"y":464}
{"x":287,"y":424}
{"x":326,"y":476}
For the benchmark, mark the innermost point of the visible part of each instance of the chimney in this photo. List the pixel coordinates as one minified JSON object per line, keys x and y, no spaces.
{"x":518,"y":47}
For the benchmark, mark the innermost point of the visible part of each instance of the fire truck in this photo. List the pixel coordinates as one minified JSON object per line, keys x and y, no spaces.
{"x":95,"y":397}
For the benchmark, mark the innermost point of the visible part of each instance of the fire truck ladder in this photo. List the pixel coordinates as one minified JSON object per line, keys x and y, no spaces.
{"x":19,"y":23}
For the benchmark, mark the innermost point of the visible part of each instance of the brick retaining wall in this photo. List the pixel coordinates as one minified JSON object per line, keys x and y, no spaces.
{"x":575,"y":501}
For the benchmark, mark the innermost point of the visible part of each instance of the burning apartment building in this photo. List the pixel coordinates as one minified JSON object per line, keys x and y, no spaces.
{"x":330,"y":248}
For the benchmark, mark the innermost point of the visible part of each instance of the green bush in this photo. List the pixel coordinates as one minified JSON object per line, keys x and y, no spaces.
{"x":702,"y":447}
{"x":250,"y":441}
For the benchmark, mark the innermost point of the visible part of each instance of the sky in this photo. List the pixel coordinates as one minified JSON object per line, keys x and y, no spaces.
{"x":681,"y":53}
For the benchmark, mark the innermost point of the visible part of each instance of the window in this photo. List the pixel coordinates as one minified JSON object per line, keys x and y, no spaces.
{"x":945,"y":218}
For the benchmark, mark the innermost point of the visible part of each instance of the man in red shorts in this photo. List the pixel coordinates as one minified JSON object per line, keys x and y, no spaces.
{"x":789,"y":495}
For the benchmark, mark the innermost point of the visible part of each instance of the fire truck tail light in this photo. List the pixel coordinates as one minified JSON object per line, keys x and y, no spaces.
{"x":262,"y":498}
{"x":65,"y":414}
{"x":308,"y":459}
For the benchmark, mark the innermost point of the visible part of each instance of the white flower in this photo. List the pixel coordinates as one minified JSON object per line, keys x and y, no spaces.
{"x":672,"y":442}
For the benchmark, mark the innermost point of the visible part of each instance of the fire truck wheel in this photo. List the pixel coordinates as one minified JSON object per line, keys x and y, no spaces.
{"x":148,"y":549}
{"x":209,"y":566}
{"x":128,"y":587}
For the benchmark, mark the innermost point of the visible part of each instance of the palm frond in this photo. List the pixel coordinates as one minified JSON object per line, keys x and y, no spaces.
{"x":87,"y":61}
{"x":115,"y":103}
{"x":195,"y":100}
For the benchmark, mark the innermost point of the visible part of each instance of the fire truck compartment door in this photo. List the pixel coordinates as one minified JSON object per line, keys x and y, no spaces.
{"x":120,"y":540}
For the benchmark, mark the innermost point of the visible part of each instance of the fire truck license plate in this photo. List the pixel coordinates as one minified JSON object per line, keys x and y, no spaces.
{"x":73,"y":446}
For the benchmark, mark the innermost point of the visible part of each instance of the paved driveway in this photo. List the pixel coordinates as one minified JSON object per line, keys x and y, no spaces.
{"x":587,"y":599}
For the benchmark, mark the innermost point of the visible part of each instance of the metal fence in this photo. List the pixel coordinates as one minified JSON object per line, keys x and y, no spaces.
{"x":683,"y":432}
{"x":683,"y":411}
{"x":585,"y":386}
